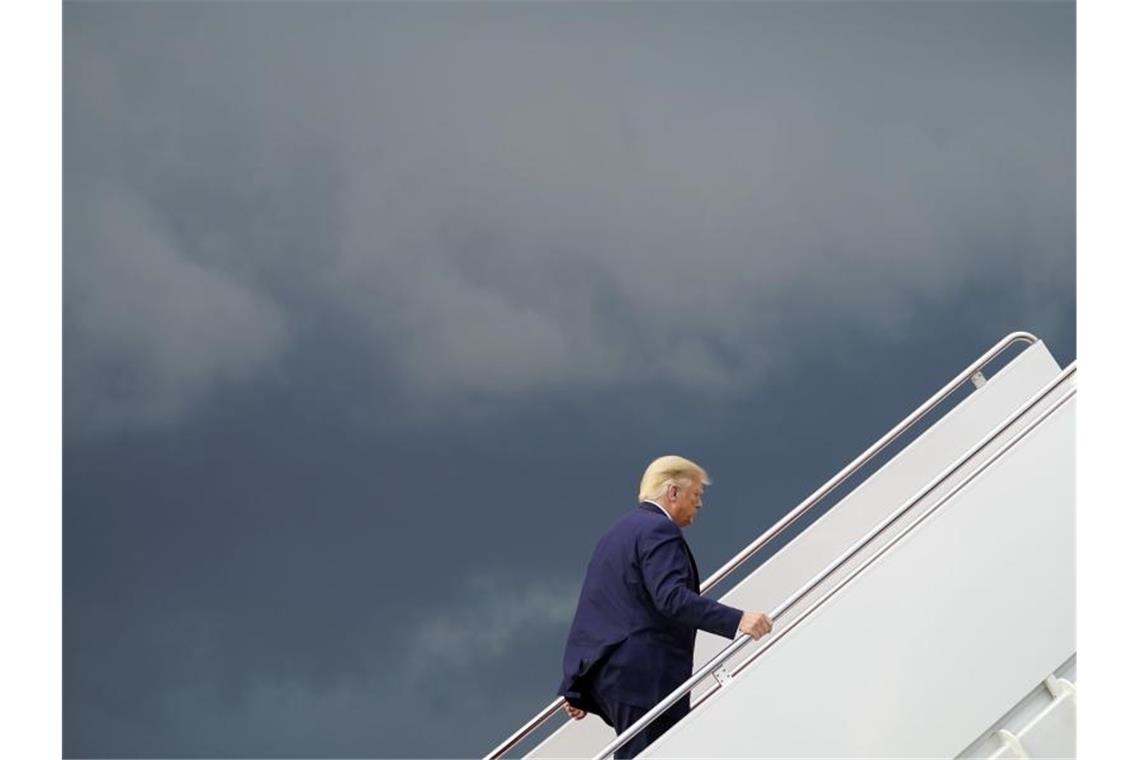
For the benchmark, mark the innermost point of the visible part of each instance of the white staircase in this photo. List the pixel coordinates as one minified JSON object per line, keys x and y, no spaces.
{"x":949,"y":633}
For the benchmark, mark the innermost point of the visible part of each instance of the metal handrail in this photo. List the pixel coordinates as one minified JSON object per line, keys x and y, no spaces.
{"x":814,"y":583}
{"x":798,"y":511}
{"x":963,"y":377}
{"x":527,"y":729}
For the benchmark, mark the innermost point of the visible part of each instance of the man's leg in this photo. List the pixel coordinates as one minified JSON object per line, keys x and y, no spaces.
{"x":625,"y":716}
{"x":622,"y":716}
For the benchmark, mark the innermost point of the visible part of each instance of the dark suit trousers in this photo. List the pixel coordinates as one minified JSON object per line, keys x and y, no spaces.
{"x":621,"y":716}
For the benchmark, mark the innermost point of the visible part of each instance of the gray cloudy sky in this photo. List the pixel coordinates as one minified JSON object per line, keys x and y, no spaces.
{"x":374,"y":313}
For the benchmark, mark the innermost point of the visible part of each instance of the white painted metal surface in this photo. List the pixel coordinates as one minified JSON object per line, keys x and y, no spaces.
{"x":918,"y":656}
{"x":852,"y":517}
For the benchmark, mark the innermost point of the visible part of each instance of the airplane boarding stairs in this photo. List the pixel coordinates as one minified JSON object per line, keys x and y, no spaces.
{"x":929,"y":613}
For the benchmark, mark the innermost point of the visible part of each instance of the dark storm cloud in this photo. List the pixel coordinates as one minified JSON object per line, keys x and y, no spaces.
{"x":328,"y":267}
{"x":505,"y":200}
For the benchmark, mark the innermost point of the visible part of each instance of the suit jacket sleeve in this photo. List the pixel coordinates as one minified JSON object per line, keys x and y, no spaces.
{"x":664,"y":565}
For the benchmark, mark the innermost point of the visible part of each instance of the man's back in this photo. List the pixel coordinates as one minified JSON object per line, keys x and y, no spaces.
{"x":633,"y":632}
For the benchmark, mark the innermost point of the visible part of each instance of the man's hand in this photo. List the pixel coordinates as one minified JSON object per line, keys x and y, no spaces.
{"x":574,"y":712}
{"x":755,"y":624}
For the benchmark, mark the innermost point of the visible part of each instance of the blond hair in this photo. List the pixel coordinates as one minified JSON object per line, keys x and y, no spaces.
{"x":668,"y":471}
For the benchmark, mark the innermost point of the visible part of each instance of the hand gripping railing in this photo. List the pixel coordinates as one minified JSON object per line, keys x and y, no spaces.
{"x":787,"y":520}
{"x":814,"y":583}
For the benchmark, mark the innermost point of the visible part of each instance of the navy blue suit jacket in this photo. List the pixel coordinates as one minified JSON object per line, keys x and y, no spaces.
{"x":637,"y":618}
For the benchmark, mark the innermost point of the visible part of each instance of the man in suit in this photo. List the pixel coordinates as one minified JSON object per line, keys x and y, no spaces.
{"x":631,"y":642}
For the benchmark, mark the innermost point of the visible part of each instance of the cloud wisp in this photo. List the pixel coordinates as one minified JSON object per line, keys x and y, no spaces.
{"x":493,"y":615}
{"x":151,"y":332}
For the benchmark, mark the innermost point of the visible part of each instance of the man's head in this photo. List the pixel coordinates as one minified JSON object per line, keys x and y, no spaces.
{"x":677,"y":485}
